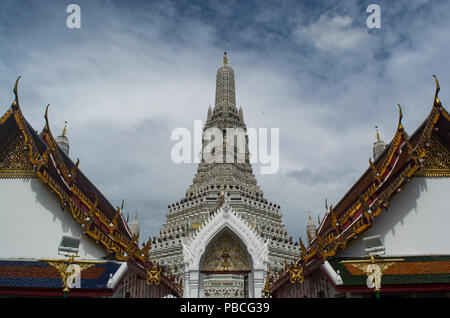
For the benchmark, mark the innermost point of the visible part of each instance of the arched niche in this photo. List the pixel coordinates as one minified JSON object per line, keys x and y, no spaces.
{"x":225,"y":267}
{"x":196,"y":247}
{"x":226,"y":252}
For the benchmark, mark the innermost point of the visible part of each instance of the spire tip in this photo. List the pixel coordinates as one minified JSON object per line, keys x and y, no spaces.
{"x":225,"y":58}
{"x":65,"y":128}
{"x":377,"y":134}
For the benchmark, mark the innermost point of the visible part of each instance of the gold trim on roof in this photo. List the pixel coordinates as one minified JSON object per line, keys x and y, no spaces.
{"x":437,"y":161}
{"x":15,"y":105}
{"x":94,"y":222}
{"x":6,"y":116}
{"x":154,"y":276}
{"x":68,"y":267}
{"x":14,"y":162}
{"x":371,"y":203}
{"x":295,"y":273}
{"x":437,"y":102}
{"x":374,"y":269}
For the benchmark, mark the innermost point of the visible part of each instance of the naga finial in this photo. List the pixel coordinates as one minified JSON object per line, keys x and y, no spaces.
{"x":46,"y":118}
{"x":15,"y":104}
{"x":400,"y":116}
{"x":437,"y":102}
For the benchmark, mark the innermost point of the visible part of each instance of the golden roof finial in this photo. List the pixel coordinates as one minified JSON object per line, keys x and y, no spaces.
{"x":65,"y":129}
{"x":15,"y":104}
{"x":400,"y":117}
{"x":225,"y":58}
{"x":437,"y":102}
{"x":377,"y":135}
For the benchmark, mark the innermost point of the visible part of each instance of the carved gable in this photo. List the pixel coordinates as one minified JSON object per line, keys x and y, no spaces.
{"x":437,"y":161}
{"x":14,"y":160}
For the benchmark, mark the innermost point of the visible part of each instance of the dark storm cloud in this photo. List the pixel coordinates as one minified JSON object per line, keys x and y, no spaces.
{"x":312,"y":178}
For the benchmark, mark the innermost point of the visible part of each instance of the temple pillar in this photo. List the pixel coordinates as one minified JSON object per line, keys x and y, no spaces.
{"x":258,"y":282}
{"x":192,"y":280}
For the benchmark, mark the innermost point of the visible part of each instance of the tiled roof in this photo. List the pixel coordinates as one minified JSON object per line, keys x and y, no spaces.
{"x":78,"y":196}
{"x":39,"y":274}
{"x":413,"y":270}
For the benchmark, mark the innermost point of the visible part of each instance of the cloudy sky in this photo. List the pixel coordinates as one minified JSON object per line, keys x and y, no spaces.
{"x":136,"y":70}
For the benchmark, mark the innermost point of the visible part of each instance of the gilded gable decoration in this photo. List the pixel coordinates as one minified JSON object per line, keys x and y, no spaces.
{"x":226,"y":254}
{"x":295,"y":273}
{"x":154,"y":276}
{"x":406,"y":157}
{"x":14,"y":160}
{"x":29,"y":154}
{"x":437,"y":161}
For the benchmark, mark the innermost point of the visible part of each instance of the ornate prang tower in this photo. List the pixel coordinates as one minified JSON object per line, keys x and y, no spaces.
{"x":213,"y":183}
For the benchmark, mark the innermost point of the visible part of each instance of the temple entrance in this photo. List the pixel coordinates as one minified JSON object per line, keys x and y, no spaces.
{"x":225,"y":268}
{"x":224,"y":258}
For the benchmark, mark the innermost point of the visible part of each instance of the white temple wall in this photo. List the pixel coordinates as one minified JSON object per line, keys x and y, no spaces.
{"x":33,"y":223}
{"x":416,"y":222}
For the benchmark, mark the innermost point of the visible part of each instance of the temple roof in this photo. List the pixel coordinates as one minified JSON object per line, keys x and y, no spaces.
{"x":76,"y":193}
{"x":60,"y":168}
{"x":405,"y":157}
{"x":40,"y":274}
{"x":425,"y":269}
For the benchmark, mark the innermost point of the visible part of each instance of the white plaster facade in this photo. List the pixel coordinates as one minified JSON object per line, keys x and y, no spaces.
{"x":33,"y":223}
{"x":195,"y":246}
{"x":415,"y":223}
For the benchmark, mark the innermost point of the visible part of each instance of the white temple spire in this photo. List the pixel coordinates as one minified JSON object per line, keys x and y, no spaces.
{"x":225,"y":89}
{"x":378,"y":146}
{"x":134,"y":226}
{"x":63,"y":141}
{"x":310,"y":229}
{"x":209,"y":113}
